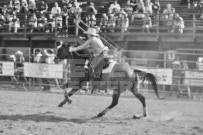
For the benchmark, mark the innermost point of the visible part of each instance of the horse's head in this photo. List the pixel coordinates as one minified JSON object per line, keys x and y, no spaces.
{"x":64,"y":53}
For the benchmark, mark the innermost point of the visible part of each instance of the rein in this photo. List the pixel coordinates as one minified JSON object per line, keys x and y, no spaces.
{"x":82,"y":55}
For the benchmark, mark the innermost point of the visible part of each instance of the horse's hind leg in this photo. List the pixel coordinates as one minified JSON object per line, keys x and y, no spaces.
{"x":142,"y":100}
{"x":115,"y":99}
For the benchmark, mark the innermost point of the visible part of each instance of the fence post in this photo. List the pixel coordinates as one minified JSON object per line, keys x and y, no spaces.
{"x":30,"y":79}
{"x":122,"y":27}
{"x":25,"y":26}
{"x":76,"y":25}
{"x":56,"y":27}
{"x":165,"y":60}
{"x":194,"y":27}
{"x":157,"y":27}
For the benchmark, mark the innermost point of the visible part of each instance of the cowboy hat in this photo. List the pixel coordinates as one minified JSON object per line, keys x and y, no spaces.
{"x":91,"y":31}
{"x":19,"y":53}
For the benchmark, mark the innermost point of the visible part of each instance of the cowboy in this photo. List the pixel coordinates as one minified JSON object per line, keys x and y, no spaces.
{"x":95,"y":47}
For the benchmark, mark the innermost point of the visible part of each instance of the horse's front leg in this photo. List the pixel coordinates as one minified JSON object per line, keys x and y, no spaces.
{"x":67,"y":97}
{"x":114,"y":102}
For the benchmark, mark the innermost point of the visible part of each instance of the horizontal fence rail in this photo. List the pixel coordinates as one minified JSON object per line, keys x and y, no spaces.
{"x":193,"y":27}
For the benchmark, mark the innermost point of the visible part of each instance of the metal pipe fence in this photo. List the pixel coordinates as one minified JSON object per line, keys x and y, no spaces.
{"x":177,"y":73}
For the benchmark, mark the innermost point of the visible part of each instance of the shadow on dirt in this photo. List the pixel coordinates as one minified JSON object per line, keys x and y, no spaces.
{"x":43,"y":118}
{"x":50,"y":117}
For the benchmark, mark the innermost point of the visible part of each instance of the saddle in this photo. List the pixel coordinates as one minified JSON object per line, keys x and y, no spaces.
{"x":97,"y":72}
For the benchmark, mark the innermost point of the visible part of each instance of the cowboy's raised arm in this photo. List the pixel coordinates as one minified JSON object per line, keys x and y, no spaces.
{"x":46,"y":53}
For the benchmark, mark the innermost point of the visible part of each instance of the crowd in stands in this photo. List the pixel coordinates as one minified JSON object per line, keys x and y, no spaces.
{"x":42,"y":18}
{"x":39,"y":16}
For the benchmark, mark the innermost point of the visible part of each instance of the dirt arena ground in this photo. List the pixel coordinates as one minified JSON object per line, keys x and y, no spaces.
{"x":36,"y":113}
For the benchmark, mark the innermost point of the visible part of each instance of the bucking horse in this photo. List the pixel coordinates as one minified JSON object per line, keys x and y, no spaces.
{"x":122,"y":77}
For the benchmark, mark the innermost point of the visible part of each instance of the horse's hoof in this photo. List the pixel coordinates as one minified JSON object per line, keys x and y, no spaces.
{"x":100,"y":115}
{"x":145,"y":115}
{"x":137,"y":117}
{"x":69,"y":101}
{"x":60,"y":105}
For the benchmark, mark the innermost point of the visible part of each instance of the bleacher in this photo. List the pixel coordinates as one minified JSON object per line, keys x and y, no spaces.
{"x":102,"y":7}
{"x":136,"y":26}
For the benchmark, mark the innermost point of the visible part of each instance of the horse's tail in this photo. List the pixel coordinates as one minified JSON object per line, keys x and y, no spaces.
{"x":150,"y":77}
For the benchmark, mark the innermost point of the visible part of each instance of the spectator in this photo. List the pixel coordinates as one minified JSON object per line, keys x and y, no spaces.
{"x":133,"y":3}
{"x":4,"y":10}
{"x":114,"y":7}
{"x":75,"y":3}
{"x":176,"y":74}
{"x":199,"y":63}
{"x":170,"y":20}
{"x":178,"y":24}
{"x":77,"y":9}
{"x":33,"y":22}
{"x":123,"y":20}
{"x":147,"y":24}
{"x":9,"y":8}
{"x":38,"y":56}
{"x":167,"y":13}
{"x":156,"y":9}
{"x":42,"y":21}
{"x":16,"y":6}
{"x":11,"y":3}
{"x":184,"y":87}
{"x":148,"y":7}
{"x":201,"y":8}
{"x":32,"y":6}
{"x":65,"y":2}
{"x":65,"y":15}
{"x":2,"y":22}
{"x":91,"y":20}
{"x":19,"y":64}
{"x":50,"y":56}
{"x":24,"y":7}
{"x":128,"y":9}
{"x":66,"y":9}
{"x":196,"y":6}
{"x":139,"y":11}
{"x":14,"y":23}
{"x":50,"y":23}
{"x":90,"y":9}
{"x":104,"y":22}
{"x":8,"y":20}
{"x":56,"y":10}
{"x":59,"y":24}
{"x":75,"y":15}
{"x":43,"y":7}
{"x":91,"y":14}
{"x":112,"y":22}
